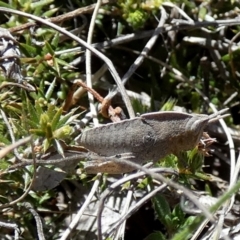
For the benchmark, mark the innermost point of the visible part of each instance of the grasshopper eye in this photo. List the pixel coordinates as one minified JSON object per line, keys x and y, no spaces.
{"x":149,"y":138}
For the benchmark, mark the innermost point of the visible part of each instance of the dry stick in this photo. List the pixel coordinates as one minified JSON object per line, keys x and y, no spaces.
{"x":220,"y":64}
{"x":149,"y":45}
{"x":181,"y":12}
{"x":6,"y":150}
{"x":107,"y":110}
{"x":75,"y":94}
{"x":80,"y":213}
{"x":230,"y":98}
{"x":199,"y":230}
{"x":234,"y":168}
{"x":40,"y":234}
{"x":68,"y":101}
{"x":145,"y":51}
{"x":27,"y":162}
{"x":122,"y":228}
{"x":210,"y":44}
{"x":80,"y":41}
{"x":233,"y":179}
{"x":27,"y":87}
{"x":90,"y":90}
{"x":134,"y":208}
{"x":96,"y":76}
{"x":63,"y":17}
{"x":116,"y":41}
{"x":11,"y":226}
{"x":88,"y":64}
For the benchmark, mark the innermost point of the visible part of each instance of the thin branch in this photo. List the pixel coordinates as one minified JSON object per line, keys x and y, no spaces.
{"x":135,"y":208}
{"x":106,"y":110}
{"x":96,"y":76}
{"x":147,"y":48}
{"x":88,"y":63}
{"x":6,"y":150}
{"x":11,"y":226}
{"x":27,"y":162}
{"x":145,"y":51}
{"x":39,"y":225}
{"x":63,"y":17}
{"x":26,"y":86}
{"x":76,"y":219}
{"x":122,"y":228}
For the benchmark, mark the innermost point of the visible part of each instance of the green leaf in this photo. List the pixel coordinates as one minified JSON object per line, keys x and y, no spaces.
{"x":56,"y":66}
{"x":156,"y":236}
{"x":48,"y":49}
{"x":3,"y":164}
{"x":202,"y":13}
{"x":63,"y":132}
{"x":63,"y":63}
{"x":32,"y":114}
{"x":29,"y":51}
{"x":56,"y":118}
{"x":46,"y":144}
{"x":4,"y":139}
{"x":49,"y":131}
{"x":177,"y":211}
{"x":50,"y":89}
{"x":169,"y":105}
{"x":144,"y":183}
{"x":64,"y":119}
{"x":162,"y":208}
{"x":41,"y":3}
{"x":195,"y":160}
{"x":3,"y":4}
{"x":31,"y":124}
{"x":51,"y":111}
{"x":40,"y":68}
{"x":55,"y":40}
{"x":39,"y":109}
{"x":45,"y":197}
{"x":50,"y":13}
{"x":188,"y":221}
{"x":38,"y":132}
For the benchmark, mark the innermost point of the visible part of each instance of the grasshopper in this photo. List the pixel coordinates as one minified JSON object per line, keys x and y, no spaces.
{"x":151,"y":136}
